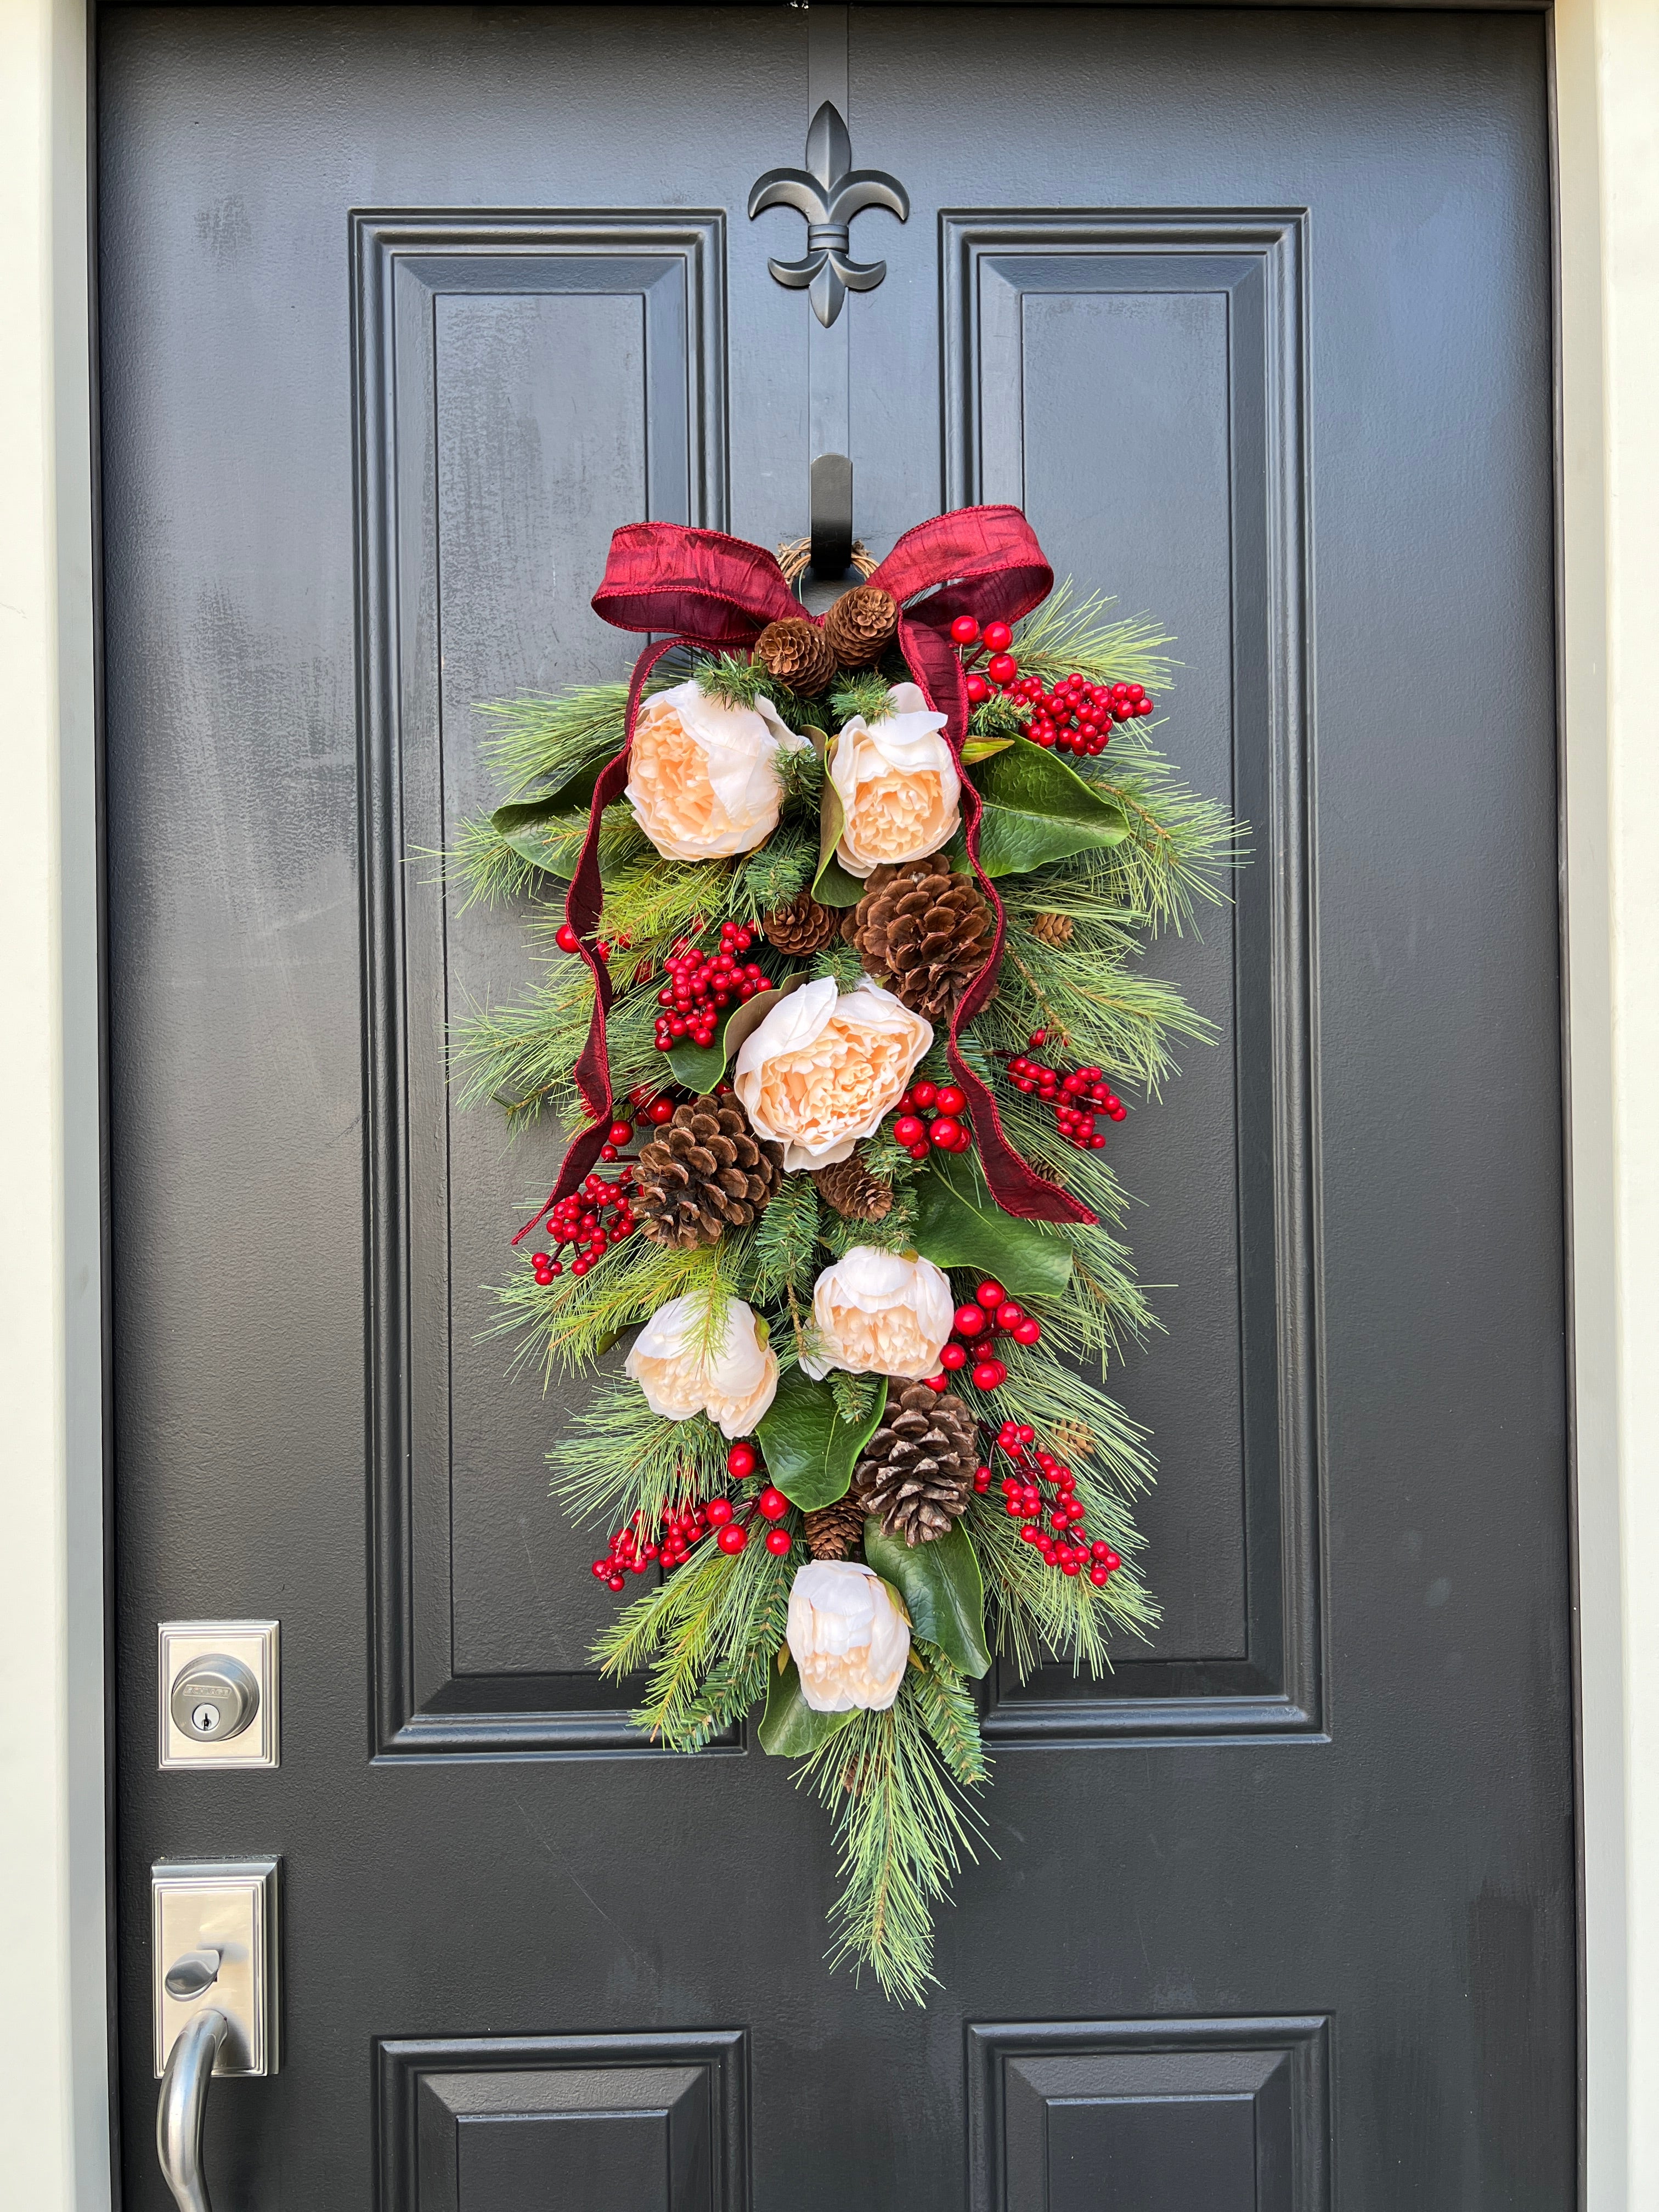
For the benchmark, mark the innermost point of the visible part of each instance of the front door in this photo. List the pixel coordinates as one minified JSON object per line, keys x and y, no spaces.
{"x":402,"y":312}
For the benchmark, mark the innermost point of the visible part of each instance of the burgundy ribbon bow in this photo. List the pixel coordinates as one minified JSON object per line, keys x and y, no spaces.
{"x":708,"y":591}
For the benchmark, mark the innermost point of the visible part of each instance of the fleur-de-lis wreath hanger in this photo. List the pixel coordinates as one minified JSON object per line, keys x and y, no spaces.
{"x":829,"y":193}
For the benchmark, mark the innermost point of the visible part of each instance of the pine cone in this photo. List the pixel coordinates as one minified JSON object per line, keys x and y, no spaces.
{"x":1073,"y":1439}
{"x":860,"y":625}
{"x":703,"y":1172}
{"x":917,"y":1472}
{"x":855,"y":1194}
{"x":796,"y":653}
{"x":927,"y":931}
{"x":803,"y":926}
{"x":836,"y":1532}
{"x":1053,"y":928}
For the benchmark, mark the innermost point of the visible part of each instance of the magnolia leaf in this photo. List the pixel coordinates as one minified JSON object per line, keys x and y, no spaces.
{"x":832,"y":885}
{"x":789,"y":1728}
{"x":979,"y":749}
{"x":943,"y":1590}
{"x":700,"y":1067}
{"x":1037,"y":810}
{"x":539,"y":830}
{"x":960,"y":1225}
{"x":811,"y":1452}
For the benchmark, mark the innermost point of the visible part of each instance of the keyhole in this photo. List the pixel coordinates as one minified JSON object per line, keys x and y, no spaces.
{"x":204,"y":1719}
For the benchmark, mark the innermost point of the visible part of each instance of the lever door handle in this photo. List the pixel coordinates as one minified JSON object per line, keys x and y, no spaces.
{"x":183,"y":2107}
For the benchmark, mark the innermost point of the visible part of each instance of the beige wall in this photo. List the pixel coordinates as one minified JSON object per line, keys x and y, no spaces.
{"x":52,"y":2062}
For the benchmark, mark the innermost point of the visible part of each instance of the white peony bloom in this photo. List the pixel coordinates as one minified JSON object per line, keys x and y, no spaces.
{"x":848,"y":1640}
{"x":701,"y":778}
{"x":900,"y":793}
{"x":824,"y":1066}
{"x":878,"y":1313}
{"x":733,"y":1386}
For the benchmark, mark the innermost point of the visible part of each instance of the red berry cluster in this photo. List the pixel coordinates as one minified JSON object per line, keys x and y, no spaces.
{"x":999,"y":670}
{"x":701,"y":986}
{"x":633,"y":1548}
{"x":1042,"y":1483}
{"x":594,"y":1217}
{"x":932,"y":1115}
{"x":1078,"y":716}
{"x":1077,"y":1095}
{"x":973,"y":1334}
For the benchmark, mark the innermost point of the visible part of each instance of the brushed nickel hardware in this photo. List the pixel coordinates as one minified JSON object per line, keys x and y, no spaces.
{"x":829,"y":191}
{"x":218,"y":1683}
{"x":213,"y":1970}
{"x":183,"y":2108}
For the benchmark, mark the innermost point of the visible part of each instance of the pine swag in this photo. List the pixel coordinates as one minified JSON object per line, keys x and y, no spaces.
{"x":850,"y":915}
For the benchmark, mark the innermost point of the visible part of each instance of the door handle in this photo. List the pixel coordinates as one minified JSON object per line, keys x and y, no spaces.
{"x":213,"y":1965}
{"x":183,"y":2108}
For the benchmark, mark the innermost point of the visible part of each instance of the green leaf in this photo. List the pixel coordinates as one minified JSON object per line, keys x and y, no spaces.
{"x":811,"y":1452}
{"x":538,"y":829}
{"x":980,"y":749}
{"x":700,"y":1067}
{"x":942,"y":1589}
{"x":789,"y":1728}
{"x":1037,"y":810}
{"x":832,"y":885}
{"x":960,"y":1225}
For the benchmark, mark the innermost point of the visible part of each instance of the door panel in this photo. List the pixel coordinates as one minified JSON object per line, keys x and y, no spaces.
{"x":401,"y":313}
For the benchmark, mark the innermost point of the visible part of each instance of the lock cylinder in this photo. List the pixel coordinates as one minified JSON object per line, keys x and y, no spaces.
{"x":215,"y":1697}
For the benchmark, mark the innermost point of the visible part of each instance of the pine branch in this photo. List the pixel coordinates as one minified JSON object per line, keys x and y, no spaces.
{"x":903,"y":1827}
{"x":785,"y":1240}
{"x":740,"y":682}
{"x":538,"y":739}
{"x":865,"y":694}
{"x":852,"y":1393}
{"x":1066,"y":633}
{"x":615,"y":1458}
{"x":947,"y":1714}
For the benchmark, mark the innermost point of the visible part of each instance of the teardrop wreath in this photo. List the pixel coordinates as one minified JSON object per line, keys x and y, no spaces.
{"x":852,"y":910}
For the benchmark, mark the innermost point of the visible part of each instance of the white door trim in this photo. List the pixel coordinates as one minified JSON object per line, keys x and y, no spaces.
{"x":54,"y":2111}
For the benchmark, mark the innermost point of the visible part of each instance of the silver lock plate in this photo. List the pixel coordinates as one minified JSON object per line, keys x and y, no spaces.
{"x":208,"y":1915}
{"x":218,"y":1685}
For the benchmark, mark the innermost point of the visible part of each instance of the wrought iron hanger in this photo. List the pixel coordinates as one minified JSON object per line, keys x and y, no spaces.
{"x":829,"y":191}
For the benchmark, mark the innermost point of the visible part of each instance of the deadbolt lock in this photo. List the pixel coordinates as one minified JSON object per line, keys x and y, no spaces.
{"x":218,"y":1685}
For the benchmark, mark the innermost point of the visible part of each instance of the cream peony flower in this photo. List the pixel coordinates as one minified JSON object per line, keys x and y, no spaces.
{"x":900,"y":793}
{"x":876,"y":1313}
{"x":848,"y":1640}
{"x":734,"y":1387}
{"x":824,"y":1066}
{"x":701,"y":778}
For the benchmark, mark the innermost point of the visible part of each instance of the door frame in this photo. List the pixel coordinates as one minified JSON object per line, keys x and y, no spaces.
{"x":56,"y":1836}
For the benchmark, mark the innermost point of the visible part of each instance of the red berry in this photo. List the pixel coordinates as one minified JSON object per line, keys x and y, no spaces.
{"x":773,"y":1504}
{"x":660,"y":1110}
{"x":944,"y":1132}
{"x":989,"y":1374}
{"x":567,"y":940}
{"x":1008,"y":1313}
{"x":940,"y":1381}
{"x":954,"y":1356}
{"x":740,"y":1461}
{"x":950,"y":1100}
{"x":919,"y":1150}
{"x":1100,"y":1576}
{"x":978,"y":690}
{"x":964,"y":630}
{"x":731,"y":1539}
{"x":720,"y":1512}
{"x":909,"y":1129}
{"x":990,"y":1294}
{"x":1037,"y":1038}
{"x":622,"y":1133}
{"x":969,"y":1320}
{"x":997,"y":637}
{"x":1002,"y":668}
{"x":1028,"y":1331}
{"x":925,"y":1093}
{"x":778,"y":1542}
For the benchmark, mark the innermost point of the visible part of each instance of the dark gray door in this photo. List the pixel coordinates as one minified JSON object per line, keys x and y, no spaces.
{"x":1251,"y":312}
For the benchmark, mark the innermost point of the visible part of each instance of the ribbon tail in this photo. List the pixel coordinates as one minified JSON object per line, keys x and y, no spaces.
{"x":1014,"y":1183}
{"x":583,"y":904}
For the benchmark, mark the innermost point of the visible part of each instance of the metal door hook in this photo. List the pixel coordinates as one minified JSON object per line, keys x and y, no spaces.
{"x":183,"y":2108}
{"x":832,"y":517}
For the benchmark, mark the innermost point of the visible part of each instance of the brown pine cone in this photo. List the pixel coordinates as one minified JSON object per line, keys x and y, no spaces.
{"x":917,"y":1472}
{"x":701,"y":1173}
{"x":836,"y":1531}
{"x":1073,"y":1439}
{"x":803,"y":926}
{"x":796,"y":653}
{"x":860,"y":625}
{"x":927,"y":931}
{"x":1053,"y":928}
{"x":855,"y":1194}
